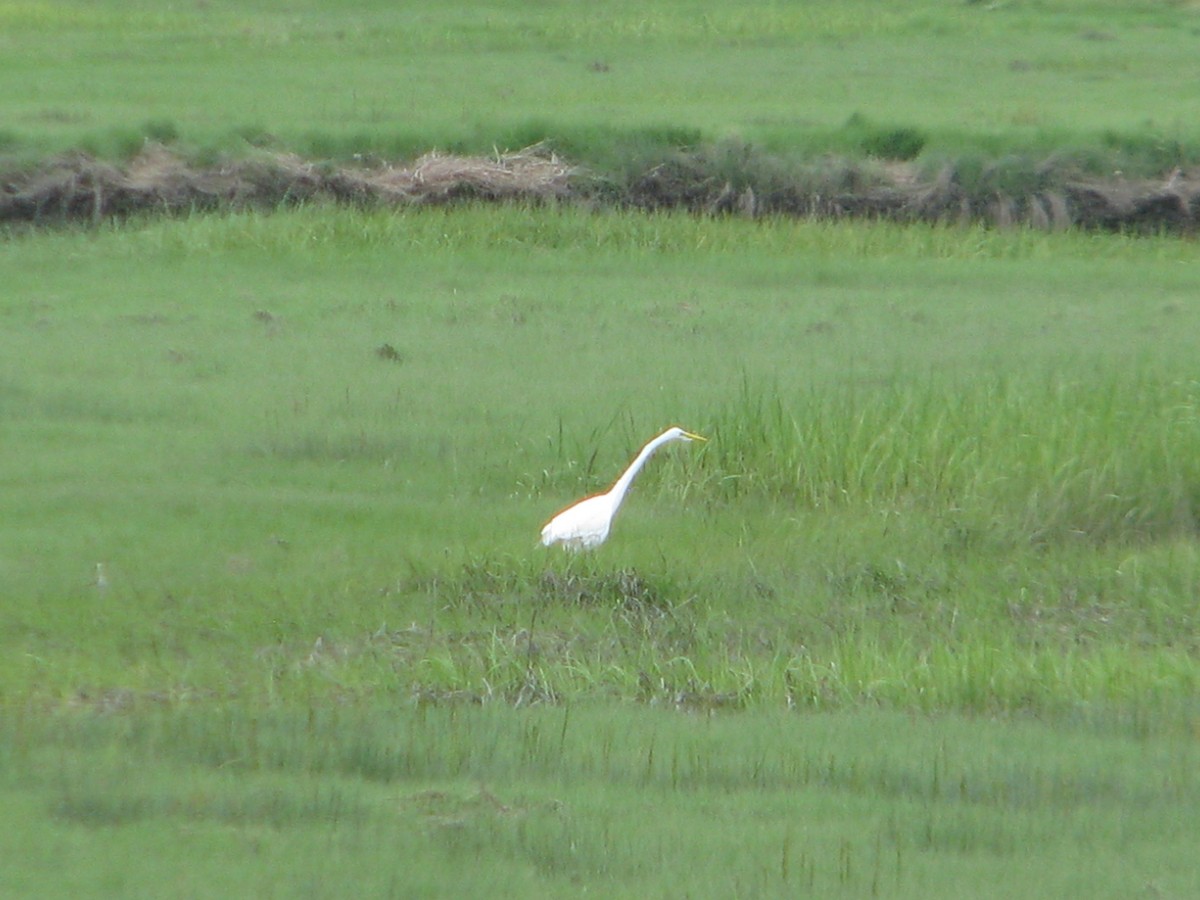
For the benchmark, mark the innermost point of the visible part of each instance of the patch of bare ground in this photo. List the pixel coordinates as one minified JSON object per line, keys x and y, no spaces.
{"x":80,"y":188}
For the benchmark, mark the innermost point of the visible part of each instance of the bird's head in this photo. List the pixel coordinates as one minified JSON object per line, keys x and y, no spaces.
{"x":678,"y":434}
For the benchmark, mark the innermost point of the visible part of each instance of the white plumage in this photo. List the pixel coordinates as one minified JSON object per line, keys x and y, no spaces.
{"x":586,"y":524}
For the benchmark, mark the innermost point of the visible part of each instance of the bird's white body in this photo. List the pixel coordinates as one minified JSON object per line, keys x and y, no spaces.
{"x":586,"y":524}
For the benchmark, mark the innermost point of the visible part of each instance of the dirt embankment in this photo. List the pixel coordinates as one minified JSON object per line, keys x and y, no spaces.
{"x":79,"y":188}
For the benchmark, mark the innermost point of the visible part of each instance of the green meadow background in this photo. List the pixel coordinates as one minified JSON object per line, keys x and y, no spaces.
{"x":1110,"y":82}
{"x":921,"y":619}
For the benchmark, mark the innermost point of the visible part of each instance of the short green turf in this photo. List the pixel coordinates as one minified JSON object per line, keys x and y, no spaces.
{"x":1111,"y":80}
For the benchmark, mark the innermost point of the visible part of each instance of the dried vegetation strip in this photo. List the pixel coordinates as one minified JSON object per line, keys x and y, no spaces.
{"x":80,"y":188}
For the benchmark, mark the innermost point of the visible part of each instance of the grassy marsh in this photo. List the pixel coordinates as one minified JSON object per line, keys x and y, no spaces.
{"x":1093,"y":79}
{"x":913,"y":442}
{"x":950,"y":476}
{"x":629,"y":802}
{"x":920,"y":620}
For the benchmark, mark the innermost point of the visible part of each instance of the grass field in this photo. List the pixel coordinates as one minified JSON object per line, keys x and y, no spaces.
{"x":1116,"y":81}
{"x":921,"y":619}
{"x":624,"y":802}
{"x":951,"y":478}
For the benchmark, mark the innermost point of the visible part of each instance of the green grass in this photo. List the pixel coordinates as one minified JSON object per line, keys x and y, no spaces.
{"x":920,"y":619}
{"x":431,"y":802}
{"x":1106,"y":82}
{"x":924,"y":604}
{"x":913,"y":441}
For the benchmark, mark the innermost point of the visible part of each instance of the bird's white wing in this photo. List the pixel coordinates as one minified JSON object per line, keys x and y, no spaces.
{"x":581,"y":526}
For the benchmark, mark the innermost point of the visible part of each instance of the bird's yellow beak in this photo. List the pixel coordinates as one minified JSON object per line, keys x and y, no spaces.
{"x":695,"y":437}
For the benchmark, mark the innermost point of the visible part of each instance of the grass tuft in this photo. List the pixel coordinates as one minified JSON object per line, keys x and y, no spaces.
{"x":1034,"y":454}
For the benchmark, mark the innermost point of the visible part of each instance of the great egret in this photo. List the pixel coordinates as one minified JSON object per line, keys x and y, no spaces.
{"x":585,"y":524}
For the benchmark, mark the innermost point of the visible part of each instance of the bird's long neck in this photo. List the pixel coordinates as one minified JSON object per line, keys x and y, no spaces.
{"x":617,"y":491}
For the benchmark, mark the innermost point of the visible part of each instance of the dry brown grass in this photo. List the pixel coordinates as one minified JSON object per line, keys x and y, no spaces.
{"x":79,"y":188}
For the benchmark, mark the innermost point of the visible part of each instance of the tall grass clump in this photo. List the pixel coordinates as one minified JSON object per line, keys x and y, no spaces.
{"x":1109,"y":457}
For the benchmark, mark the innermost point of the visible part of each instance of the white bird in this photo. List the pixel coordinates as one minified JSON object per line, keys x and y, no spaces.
{"x":585,"y":524}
